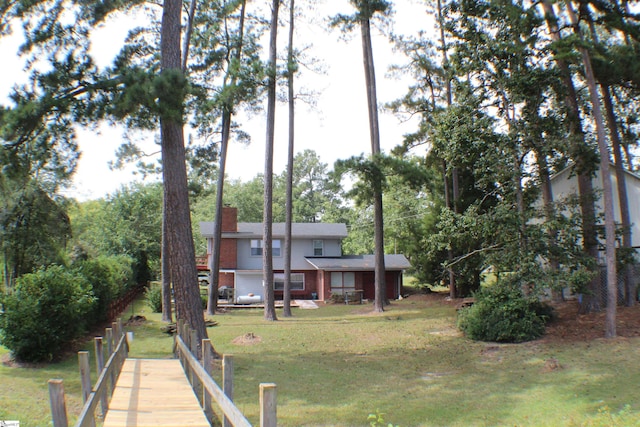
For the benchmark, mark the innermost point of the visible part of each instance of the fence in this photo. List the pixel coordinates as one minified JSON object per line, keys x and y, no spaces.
{"x":621,"y":280}
{"x":107,"y":377}
{"x":199,"y":376}
{"x":117,"y":306}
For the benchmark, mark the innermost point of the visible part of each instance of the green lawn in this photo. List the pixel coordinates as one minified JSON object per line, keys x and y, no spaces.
{"x":335,"y":365}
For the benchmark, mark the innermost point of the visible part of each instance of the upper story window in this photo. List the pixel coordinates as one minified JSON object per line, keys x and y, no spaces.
{"x":318,"y":247}
{"x":256,"y":247}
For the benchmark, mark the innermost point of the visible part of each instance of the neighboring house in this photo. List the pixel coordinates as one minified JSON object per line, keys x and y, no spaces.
{"x":318,"y":268}
{"x":565,"y":183}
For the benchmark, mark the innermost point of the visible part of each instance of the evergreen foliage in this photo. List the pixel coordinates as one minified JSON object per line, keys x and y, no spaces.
{"x":153,"y":298}
{"x":503,"y":313}
{"x":109,"y":278}
{"x":44,"y":313}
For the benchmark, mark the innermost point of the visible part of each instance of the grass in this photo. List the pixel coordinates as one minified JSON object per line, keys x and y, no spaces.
{"x":336,"y":365}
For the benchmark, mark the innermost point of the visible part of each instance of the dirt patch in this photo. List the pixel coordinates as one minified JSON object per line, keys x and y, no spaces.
{"x":247,"y":339}
{"x":136,"y":321}
{"x":551,"y":365}
{"x":8,"y":361}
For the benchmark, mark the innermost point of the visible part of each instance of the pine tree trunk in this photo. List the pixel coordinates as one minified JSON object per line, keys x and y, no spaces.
{"x":214,"y":276}
{"x":607,"y":189}
{"x":267,"y":251}
{"x":580,"y":154}
{"x":451,"y":204}
{"x":623,"y":199}
{"x":177,"y":215}
{"x":290,"y":156}
{"x":374,"y":130}
{"x":167,"y":310}
{"x":549,"y":211}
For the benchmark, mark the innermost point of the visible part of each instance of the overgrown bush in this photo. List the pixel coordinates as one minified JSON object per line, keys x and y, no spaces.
{"x":110,"y":277}
{"x":122,"y":272}
{"x":45,"y":312}
{"x":153,"y":297}
{"x":502,"y":313}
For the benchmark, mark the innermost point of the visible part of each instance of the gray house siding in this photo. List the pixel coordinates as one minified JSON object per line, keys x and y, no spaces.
{"x":300,"y":249}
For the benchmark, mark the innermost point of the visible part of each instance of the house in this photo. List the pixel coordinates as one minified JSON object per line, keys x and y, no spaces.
{"x":565,"y":183}
{"x":318,"y":268}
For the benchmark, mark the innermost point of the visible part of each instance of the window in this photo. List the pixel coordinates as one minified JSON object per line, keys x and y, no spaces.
{"x":297,"y":281}
{"x":342,"y":281}
{"x":318,"y":248}
{"x":256,"y":247}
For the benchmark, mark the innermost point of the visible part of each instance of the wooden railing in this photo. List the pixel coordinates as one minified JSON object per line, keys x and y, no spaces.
{"x":199,"y":376}
{"x":107,"y":377}
{"x":202,"y":263}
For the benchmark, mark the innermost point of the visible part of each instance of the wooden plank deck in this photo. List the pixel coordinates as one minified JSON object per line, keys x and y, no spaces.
{"x":154,"y":392}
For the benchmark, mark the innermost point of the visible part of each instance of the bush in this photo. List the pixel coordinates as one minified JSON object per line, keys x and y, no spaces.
{"x":121,"y":270}
{"x":153,"y":296}
{"x":45,"y":312}
{"x":109,"y":277}
{"x":502,"y":313}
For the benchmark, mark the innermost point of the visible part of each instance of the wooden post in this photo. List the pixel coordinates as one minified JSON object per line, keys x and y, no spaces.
{"x":195,"y":383}
{"x":58,"y":406}
{"x":99,"y":367}
{"x":186,"y":338}
{"x":227,"y":381}
{"x":99,"y":354}
{"x":268,"y":412}
{"x":116,"y":332}
{"x":120,"y":328}
{"x":180,"y":326}
{"x":116,"y":340}
{"x":85,"y":377}
{"x":85,"y":374}
{"x":109,"y":336}
{"x":108,"y":332}
{"x":206,"y":364}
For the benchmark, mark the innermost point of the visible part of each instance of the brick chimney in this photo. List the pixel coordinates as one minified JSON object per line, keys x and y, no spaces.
{"x":229,"y":219}
{"x":228,"y":247}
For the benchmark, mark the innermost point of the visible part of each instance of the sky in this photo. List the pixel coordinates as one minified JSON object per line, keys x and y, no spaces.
{"x":335,"y":128}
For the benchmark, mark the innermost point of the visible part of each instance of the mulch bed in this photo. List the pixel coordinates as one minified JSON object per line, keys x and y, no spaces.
{"x":569,"y":326}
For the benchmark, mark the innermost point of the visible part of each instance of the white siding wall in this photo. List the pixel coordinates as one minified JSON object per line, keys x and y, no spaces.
{"x":245,"y":260}
{"x":299,"y":249}
{"x":564,"y":185}
{"x":249,"y":283}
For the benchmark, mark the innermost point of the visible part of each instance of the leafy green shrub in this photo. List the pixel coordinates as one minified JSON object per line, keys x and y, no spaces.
{"x":99,"y":276}
{"x":153,"y":297}
{"x":121,"y":267}
{"x":109,"y":277}
{"x":502,"y":313}
{"x":45,"y":312}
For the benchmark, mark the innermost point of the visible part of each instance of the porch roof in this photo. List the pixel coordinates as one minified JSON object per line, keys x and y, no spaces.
{"x":358,"y":263}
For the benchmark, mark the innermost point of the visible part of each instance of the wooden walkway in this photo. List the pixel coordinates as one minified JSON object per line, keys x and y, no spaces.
{"x":154,"y":392}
